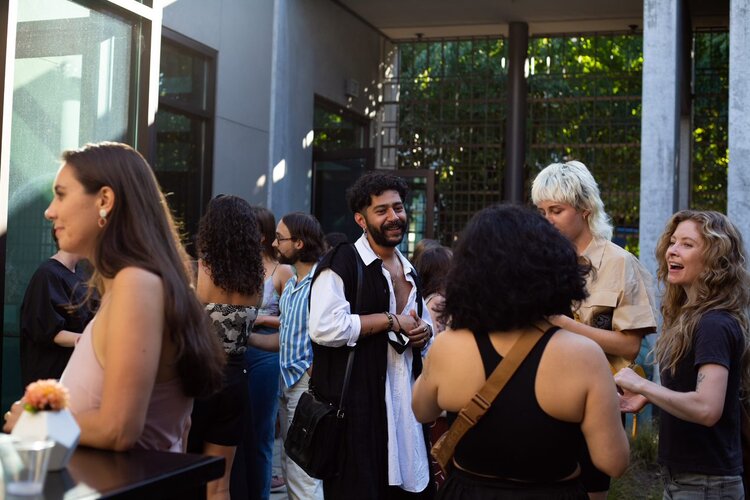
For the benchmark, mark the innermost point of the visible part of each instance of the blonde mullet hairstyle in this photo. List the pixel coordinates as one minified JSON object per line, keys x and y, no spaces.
{"x":724,"y":284}
{"x":572,"y":183}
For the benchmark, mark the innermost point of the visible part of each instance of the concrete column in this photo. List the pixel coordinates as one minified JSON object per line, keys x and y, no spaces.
{"x":660,"y":121}
{"x":277,"y":144}
{"x":738,"y":191}
{"x":515,"y":132}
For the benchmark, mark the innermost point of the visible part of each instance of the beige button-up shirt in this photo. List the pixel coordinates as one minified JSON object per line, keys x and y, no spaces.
{"x":621,"y":290}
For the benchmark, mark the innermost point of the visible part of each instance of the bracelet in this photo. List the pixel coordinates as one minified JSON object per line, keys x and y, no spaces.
{"x":390,"y":321}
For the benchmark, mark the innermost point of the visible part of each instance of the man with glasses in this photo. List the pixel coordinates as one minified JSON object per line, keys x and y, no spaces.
{"x":300,"y":243}
{"x":384,"y":452}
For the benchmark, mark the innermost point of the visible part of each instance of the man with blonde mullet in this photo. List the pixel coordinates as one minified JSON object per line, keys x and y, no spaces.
{"x":620,"y":309}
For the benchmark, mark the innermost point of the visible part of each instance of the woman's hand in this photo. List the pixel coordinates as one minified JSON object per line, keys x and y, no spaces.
{"x":631,"y":402}
{"x":628,"y":380}
{"x":11,"y":416}
{"x":560,"y":321}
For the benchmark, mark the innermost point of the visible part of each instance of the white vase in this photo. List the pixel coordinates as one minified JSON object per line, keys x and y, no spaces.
{"x":57,"y":426}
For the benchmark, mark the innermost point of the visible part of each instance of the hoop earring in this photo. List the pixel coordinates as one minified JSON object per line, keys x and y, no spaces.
{"x":102,"y":218}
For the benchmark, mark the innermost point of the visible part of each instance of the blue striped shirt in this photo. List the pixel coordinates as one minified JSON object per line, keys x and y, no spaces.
{"x":295,"y":349}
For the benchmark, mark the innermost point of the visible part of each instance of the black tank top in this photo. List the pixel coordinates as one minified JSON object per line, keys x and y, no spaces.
{"x":516,"y":439}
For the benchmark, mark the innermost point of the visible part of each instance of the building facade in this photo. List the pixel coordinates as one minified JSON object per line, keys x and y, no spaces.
{"x":284,"y":102}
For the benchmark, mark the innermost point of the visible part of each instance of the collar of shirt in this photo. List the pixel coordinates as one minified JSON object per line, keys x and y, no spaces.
{"x":294,"y":286}
{"x":368,"y":254}
{"x":595,"y":251}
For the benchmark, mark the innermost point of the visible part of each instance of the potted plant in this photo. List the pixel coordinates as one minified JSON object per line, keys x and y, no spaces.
{"x":46,"y":417}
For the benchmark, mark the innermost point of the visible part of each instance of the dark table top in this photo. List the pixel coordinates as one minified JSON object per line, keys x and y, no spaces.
{"x":143,"y":474}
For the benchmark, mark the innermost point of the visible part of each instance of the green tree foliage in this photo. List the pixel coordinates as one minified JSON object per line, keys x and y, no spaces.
{"x":710,"y":158}
{"x":584,"y":103}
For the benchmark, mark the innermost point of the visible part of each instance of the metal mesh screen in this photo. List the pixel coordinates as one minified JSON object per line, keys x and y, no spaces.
{"x":710,"y":153}
{"x":450,"y":97}
{"x":584,"y":104}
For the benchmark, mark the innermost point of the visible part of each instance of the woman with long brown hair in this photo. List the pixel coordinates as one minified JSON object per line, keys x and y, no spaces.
{"x":702,"y":354}
{"x":148,"y":351}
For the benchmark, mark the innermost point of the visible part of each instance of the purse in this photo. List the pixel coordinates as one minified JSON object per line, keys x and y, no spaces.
{"x":314,"y":440}
{"x":443,"y":450}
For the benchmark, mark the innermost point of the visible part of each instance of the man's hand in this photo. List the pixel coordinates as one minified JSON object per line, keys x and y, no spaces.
{"x":420,"y":334}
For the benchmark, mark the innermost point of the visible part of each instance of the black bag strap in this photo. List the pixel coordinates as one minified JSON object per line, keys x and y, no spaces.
{"x":350,"y":358}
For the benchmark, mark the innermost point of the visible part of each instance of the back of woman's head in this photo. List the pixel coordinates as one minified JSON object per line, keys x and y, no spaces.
{"x":511,"y":268}
{"x":572,"y":183}
{"x":433,"y":265}
{"x":420,"y":248}
{"x":267,"y":226}
{"x":140,"y":232}
{"x":229,"y":245}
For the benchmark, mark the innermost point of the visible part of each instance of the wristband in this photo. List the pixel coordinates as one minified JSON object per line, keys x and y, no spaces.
{"x":390,"y":321}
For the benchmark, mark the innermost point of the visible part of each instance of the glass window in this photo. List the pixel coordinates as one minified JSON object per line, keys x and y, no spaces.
{"x":184,"y":130}
{"x":73,"y":82}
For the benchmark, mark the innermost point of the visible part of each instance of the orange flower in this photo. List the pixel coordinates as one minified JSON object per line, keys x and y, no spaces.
{"x":45,"y":395}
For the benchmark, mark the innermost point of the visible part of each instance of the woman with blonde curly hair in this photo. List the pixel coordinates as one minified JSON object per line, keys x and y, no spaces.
{"x":702,"y":353}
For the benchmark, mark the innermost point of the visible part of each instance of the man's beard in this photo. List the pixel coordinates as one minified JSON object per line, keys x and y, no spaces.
{"x":291,"y":260}
{"x":379,"y":237}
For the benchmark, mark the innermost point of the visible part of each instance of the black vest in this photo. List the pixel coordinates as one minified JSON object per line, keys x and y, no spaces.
{"x":365,"y":459}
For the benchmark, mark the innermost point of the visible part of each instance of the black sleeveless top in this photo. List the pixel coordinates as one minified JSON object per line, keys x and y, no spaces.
{"x":516,"y":439}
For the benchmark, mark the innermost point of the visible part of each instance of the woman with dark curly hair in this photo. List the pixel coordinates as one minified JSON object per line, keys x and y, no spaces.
{"x":703,"y":357}
{"x":511,"y":270}
{"x":230,"y":274}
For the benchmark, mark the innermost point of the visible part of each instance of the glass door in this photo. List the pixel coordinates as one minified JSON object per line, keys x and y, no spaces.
{"x":75,"y":80}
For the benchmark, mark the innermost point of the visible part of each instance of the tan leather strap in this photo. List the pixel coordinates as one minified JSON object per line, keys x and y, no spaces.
{"x":483,"y":399}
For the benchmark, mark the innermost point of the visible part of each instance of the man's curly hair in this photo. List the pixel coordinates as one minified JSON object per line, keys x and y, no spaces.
{"x":229,"y":245}
{"x":511,"y":268}
{"x":359,"y":195}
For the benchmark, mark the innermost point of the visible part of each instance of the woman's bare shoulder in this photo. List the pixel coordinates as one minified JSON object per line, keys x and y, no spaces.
{"x":136,"y":275}
{"x":574,"y":347}
{"x":450,"y":341}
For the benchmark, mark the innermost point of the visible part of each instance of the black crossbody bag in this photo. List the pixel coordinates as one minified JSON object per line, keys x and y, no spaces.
{"x":314,"y":438}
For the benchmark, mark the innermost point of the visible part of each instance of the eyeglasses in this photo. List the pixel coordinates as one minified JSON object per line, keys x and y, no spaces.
{"x":279,"y":238}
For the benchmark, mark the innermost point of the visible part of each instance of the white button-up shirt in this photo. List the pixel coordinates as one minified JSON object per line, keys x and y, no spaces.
{"x":332,"y":324}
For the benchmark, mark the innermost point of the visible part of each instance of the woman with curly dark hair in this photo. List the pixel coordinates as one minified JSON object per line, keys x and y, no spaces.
{"x":703,"y":357}
{"x":511,"y":270}
{"x":230,"y":274}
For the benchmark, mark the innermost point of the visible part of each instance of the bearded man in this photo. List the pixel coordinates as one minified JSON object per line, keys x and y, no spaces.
{"x":384,"y":449}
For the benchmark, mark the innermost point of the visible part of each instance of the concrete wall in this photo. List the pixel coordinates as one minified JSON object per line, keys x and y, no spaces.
{"x":241,"y":32}
{"x":318,"y":45}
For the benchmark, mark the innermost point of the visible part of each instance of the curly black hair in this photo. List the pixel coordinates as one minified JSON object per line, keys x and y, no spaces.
{"x":359,"y":195}
{"x":229,"y":245}
{"x":305,"y":227}
{"x":511,"y":268}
